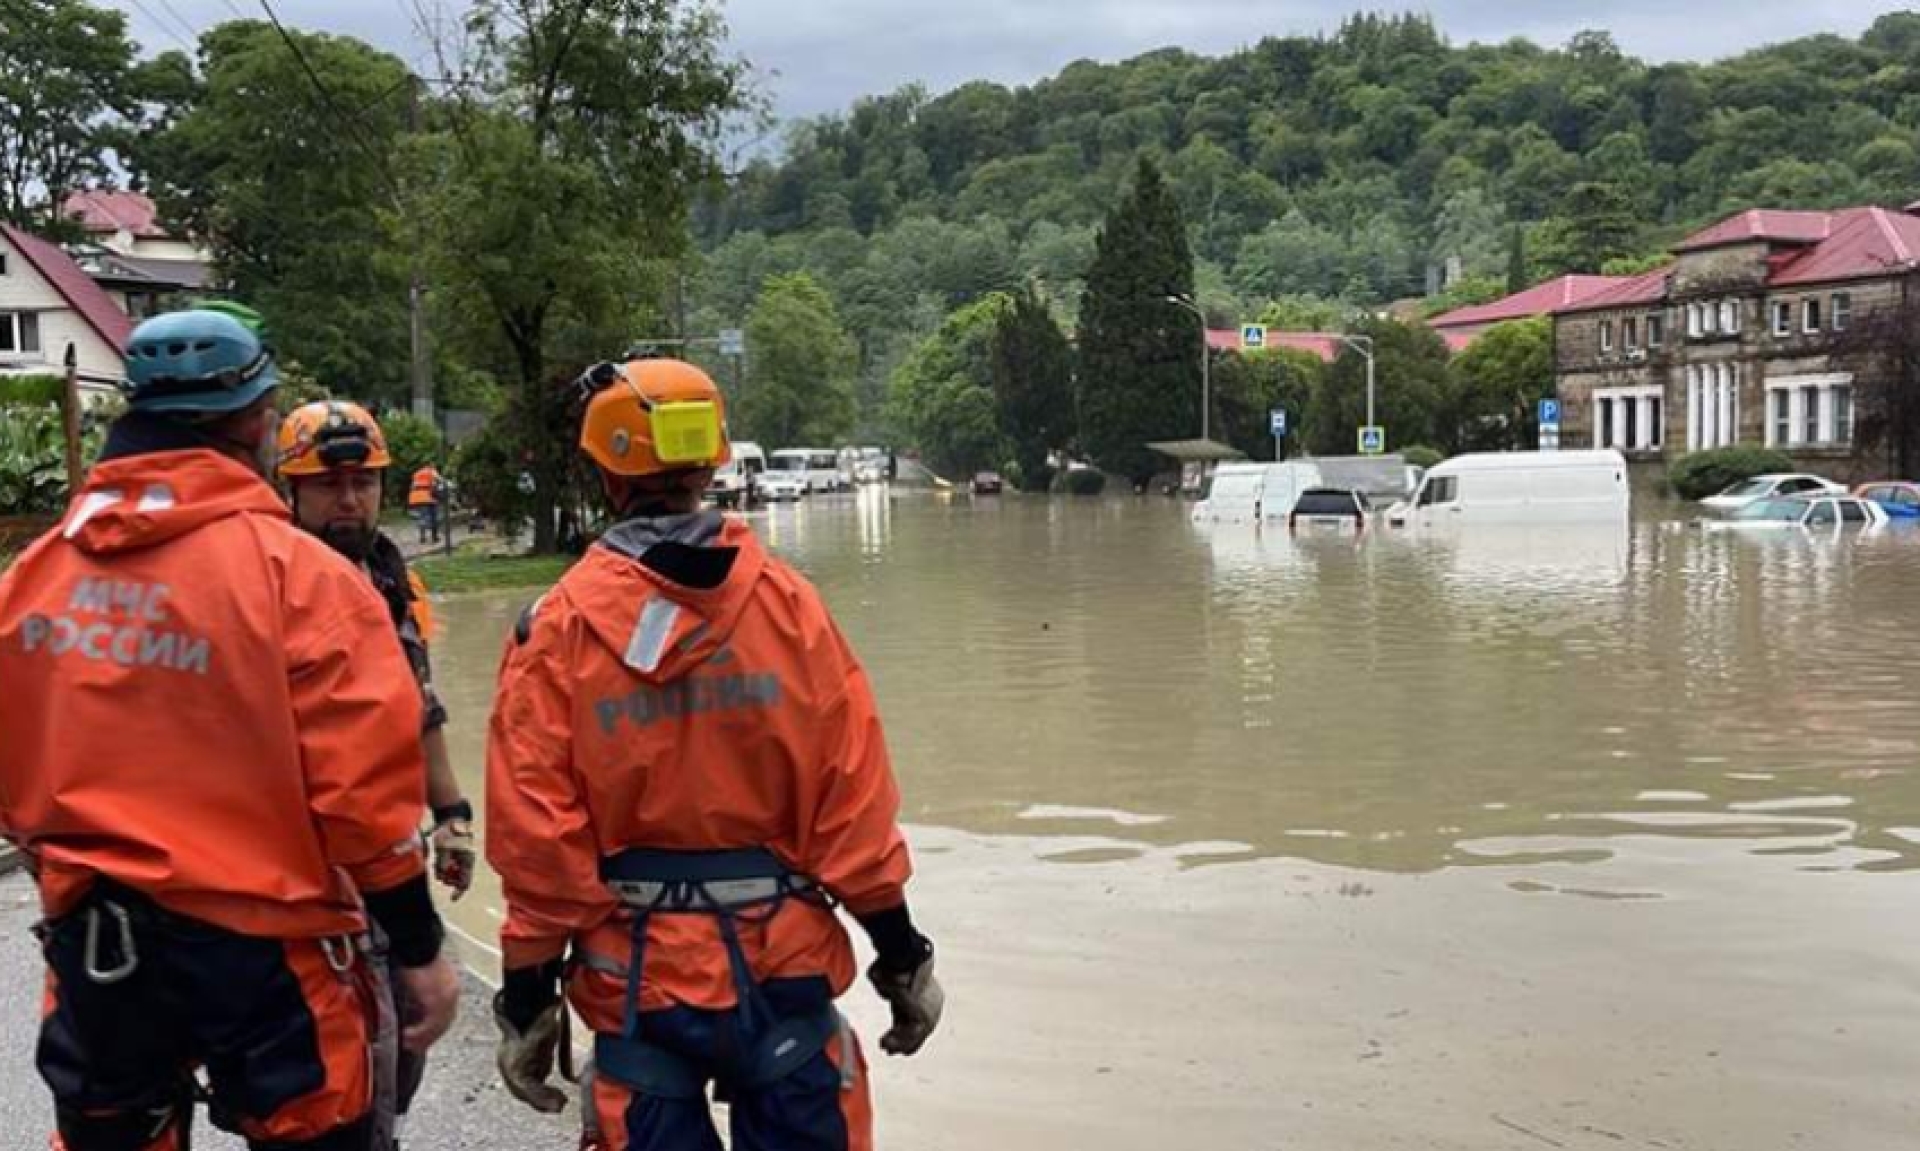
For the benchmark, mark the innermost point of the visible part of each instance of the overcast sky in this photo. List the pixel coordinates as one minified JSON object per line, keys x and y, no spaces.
{"x":819,"y":55}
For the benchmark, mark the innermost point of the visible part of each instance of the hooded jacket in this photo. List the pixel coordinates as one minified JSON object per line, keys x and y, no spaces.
{"x":205,"y":704}
{"x":634,"y":711}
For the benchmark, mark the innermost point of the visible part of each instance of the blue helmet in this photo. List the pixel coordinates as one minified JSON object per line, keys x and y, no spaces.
{"x":199,"y":362}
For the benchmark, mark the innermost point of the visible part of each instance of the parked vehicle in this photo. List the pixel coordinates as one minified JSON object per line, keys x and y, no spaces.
{"x":1254,"y":493}
{"x":1898,"y":498}
{"x":818,"y":468}
{"x":736,"y":484}
{"x":987,"y":483}
{"x":1768,"y":487}
{"x":1519,"y":488}
{"x":779,"y":487}
{"x":1801,"y":511}
{"x":1337,"y":511}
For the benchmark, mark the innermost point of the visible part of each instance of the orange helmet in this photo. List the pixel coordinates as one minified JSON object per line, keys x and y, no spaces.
{"x":645,"y":417}
{"x":331,"y":435}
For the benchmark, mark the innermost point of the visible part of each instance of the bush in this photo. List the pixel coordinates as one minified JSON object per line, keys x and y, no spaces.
{"x":1421,"y":456}
{"x":413,"y":443}
{"x":33,"y":456}
{"x":1701,"y":474}
{"x":31,"y":391}
{"x":487,"y":471}
{"x":1086,"y":482}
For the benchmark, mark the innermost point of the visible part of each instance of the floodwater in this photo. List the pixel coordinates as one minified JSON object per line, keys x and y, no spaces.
{"x":1511,"y":840}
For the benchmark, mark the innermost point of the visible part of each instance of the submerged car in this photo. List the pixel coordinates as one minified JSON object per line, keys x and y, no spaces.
{"x":1821,"y":511}
{"x":1338,"y":511}
{"x":1899,"y":499}
{"x":987,"y":483}
{"x":780,"y":486}
{"x":1774,"y":486}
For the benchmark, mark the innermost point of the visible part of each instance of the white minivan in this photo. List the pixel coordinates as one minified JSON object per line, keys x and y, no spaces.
{"x":818,"y":467}
{"x":1255,"y":493}
{"x":737,"y":482}
{"x":1519,"y":488}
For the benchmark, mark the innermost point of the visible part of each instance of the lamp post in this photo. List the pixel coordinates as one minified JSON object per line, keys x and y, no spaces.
{"x":1206,"y":383}
{"x":1364,"y":345}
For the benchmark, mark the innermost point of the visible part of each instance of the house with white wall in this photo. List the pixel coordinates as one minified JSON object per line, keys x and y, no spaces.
{"x":49,"y":304}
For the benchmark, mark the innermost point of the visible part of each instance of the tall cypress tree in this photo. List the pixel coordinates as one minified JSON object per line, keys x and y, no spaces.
{"x":1033,"y":385}
{"x":1139,"y":354}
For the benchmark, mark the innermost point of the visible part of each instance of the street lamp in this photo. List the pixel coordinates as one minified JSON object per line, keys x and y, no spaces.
{"x":1364,"y":345}
{"x":1206,"y":386}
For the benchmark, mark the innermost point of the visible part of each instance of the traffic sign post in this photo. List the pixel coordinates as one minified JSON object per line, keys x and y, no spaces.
{"x":1253,"y":337}
{"x":1277,"y":422}
{"x":1549,"y":425}
{"x":733,"y":342}
{"x":1373,"y":441}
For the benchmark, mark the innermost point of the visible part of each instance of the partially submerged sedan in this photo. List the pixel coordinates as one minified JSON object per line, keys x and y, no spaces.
{"x":1816,"y":511}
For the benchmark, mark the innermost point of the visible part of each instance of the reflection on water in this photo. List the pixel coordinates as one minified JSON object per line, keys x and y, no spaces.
{"x":1393,"y":703}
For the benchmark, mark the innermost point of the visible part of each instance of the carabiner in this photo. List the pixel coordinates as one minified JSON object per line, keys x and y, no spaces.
{"x":129,"y":955}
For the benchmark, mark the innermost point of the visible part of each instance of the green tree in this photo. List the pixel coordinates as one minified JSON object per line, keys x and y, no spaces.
{"x":1139,"y":354}
{"x":1410,"y":377}
{"x":1248,"y":386}
{"x":1493,"y":389}
{"x":1598,"y":225}
{"x":1032,"y":373}
{"x":297,"y":204}
{"x":558,"y":176}
{"x":68,"y":88}
{"x":942,"y":394}
{"x":799,"y":388}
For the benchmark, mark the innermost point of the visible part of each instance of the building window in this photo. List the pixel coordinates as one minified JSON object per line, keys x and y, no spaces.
{"x":3,"y":263}
{"x":1656,"y":330}
{"x":1810,"y":411}
{"x":1606,"y":335}
{"x":1729,"y":316}
{"x":1693,"y":319}
{"x":1810,"y":316}
{"x":1627,"y":419}
{"x":1656,"y":423}
{"x":1782,"y":318}
{"x":1630,"y":333}
{"x":19,"y":333}
{"x":1842,"y":311}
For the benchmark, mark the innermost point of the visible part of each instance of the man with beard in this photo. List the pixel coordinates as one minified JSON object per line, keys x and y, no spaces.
{"x":333,"y":458}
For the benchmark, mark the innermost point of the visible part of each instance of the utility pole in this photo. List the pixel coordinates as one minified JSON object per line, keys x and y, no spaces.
{"x":1206,"y":367}
{"x":421,"y":367}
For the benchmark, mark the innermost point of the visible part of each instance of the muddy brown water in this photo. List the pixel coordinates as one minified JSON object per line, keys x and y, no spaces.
{"x":1509,"y":840}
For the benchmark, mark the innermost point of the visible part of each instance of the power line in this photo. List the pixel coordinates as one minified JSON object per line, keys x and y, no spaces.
{"x":350,"y":124}
{"x":182,"y":20}
{"x":166,"y":29}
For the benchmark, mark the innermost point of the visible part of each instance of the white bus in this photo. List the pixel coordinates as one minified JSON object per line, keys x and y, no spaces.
{"x":820,"y":467}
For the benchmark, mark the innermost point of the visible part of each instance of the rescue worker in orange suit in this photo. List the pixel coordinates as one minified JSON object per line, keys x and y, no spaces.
{"x":685,"y":774}
{"x":210,"y":755}
{"x":333,"y":458}
{"x":424,"y":493}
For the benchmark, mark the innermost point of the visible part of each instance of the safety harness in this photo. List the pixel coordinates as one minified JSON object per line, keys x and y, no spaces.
{"x":734,"y":887}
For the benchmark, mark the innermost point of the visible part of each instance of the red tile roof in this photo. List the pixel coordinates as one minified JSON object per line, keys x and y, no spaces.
{"x":108,"y":212}
{"x":74,"y":286}
{"x":1539,"y":300}
{"x":1627,"y":291}
{"x":1762,"y":224}
{"x":1325,"y":345}
{"x":1864,"y":242}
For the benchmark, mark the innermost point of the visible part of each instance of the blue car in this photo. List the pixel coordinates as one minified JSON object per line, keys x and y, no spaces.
{"x":1900,"y":500}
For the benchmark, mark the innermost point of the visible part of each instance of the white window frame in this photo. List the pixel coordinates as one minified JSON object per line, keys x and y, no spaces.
{"x":1693,"y":321}
{"x":1824,"y":390}
{"x":1630,"y":333}
{"x":1810,"y":315}
{"x":1783,"y":318}
{"x":1656,"y":329}
{"x":1729,"y":317}
{"x":1606,"y":336}
{"x":16,"y":335}
{"x":1646,"y":402}
{"x":1840,"y":311}
{"x":3,"y":263}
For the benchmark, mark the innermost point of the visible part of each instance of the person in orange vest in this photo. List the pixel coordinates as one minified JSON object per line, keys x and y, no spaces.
{"x":332,"y":457}
{"x":210,"y":756}
{"x":424,"y":496}
{"x":685,"y":776}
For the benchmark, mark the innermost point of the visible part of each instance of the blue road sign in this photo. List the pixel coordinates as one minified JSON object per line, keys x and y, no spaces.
{"x":1373,"y":441}
{"x":1277,"y":420}
{"x":1549,"y":413}
{"x":1253,"y":336}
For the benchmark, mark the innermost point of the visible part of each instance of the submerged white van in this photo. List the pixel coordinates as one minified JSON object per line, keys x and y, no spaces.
{"x":1255,"y":493}
{"x":1519,"y":488}
{"x":737,"y":482}
{"x":818,"y":468}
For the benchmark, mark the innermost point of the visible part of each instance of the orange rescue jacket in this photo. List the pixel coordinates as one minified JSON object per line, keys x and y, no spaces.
{"x":206,"y":704}
{"x":423,"y":491}
{"x":634,"y":712}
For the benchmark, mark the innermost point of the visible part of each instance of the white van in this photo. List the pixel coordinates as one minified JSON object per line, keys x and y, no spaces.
{"x":1255,"y":493}
{"x":1519,"y":488}
{"x":818,"y":467}
{"x":738,"y":482}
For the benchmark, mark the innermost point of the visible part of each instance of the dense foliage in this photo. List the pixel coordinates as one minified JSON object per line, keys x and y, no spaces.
{"x":1700,"y":474}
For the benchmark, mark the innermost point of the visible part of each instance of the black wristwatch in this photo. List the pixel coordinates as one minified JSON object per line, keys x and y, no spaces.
{"x":447,"y":813}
